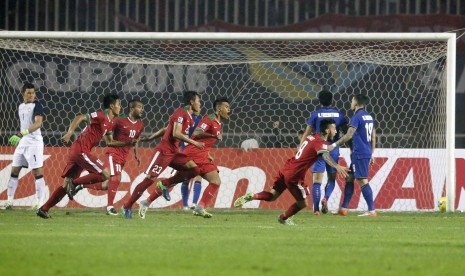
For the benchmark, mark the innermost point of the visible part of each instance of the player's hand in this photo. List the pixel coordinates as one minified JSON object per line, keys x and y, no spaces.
{"x":372,"y":161}
{"x":199,"y":145}
{"x":66,"y":138}
{"x":219,"y":136}
{"x":210,"y":158}
{"x":342,"y":170}
{"x":133,"y":142}
{"x":14,"y":140}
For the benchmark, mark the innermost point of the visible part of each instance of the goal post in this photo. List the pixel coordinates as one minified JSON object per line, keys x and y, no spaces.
{"x":409,"y":77}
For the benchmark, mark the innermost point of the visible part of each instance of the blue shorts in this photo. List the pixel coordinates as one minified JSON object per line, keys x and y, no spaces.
{"x":320,"y":164}
{"x":359,"y":167}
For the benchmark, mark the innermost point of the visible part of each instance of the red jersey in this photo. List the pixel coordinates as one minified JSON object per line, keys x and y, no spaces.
{"x":124,"y":130}
{"x":183,"y":117}
{"x":296,"y":167}
{"x":211,"y":125}
{"x":98,"y":125}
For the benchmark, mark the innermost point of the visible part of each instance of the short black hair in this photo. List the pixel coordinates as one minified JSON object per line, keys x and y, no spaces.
{"x":219,"y":101}
{"x":190,"y":96}
{"x":301,"y":132}
{"x":324,"y":124}
{"x":27,"y":85}
{"x":133,"y":102}
{"x":325,"y":97}
{"x":109,"y":99}
{"x":361,"y":99}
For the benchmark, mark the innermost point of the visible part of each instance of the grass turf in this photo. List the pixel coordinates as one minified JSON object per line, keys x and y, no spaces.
{"x":233,"y":242}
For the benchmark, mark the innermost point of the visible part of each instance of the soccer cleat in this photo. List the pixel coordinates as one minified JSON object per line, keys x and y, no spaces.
{"x":143,"y":207}
{"x":341,"y":212}
{"x":369,"y":214}
{"x":8,"y":205}
{"x":193,"y":206}
{"x":324,"y":206}
{"x":127,"y":213}
{"x":186,"y":208}
{"x":243,"y":200}
{"x":43,"y":214}
{"x":112,"y":211}
{"x":201,"y":212}
{"x":77,"y":188}
{"x":69,"y":188}
{"x":35,"y":207}
{"x":316,"y":213}
{"x":287,"y":221}
{"x":164,"y":191}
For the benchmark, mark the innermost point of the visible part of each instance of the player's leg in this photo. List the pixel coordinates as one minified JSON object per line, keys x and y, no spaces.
{"x":40,"y":187}
{"x":12,"y":186}
{"x":300,"y":195}
{"x":94,"y":166}
{"x":348,"y":191}
{"x":361,"y":174}
{"x":197,"y":188}
{"x":329,"y":188}
{"x":318,"y":170}
{"x":113,"y":183}
{"x":278,"y":187}
{"x":35,"y":160}
{"x":210,"y":173}
{"x":185,"y":194}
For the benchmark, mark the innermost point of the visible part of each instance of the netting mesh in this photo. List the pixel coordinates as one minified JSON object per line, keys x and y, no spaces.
{"x":267,"y":81}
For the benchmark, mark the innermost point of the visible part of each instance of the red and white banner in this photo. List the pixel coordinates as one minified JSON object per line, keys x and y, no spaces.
{"x":401,"y":179}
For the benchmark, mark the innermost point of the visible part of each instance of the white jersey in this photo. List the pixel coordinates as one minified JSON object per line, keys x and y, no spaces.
{"x":27,"y":113}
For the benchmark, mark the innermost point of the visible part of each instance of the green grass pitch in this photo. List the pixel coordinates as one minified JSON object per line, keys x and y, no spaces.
{"x":233,"y":242}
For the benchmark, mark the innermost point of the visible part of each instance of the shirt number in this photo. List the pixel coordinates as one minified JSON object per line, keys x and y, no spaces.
{"x":132,"y":133}
{"x":301,"y":149}
{"x":369,"y":129}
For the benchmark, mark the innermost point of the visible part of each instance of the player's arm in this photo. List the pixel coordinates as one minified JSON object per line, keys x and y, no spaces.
{"x":72,"y":127}
{"x":177,"y":133}
{"x":308,"y":131}
{"x":344,"y":139}
{"x":373,"y":145}
{"x":329,"y":160}
{"x":201,"y":133}
{"x":110,"y":142}
{"x":14,"y":140}
{"x":155,"y":135}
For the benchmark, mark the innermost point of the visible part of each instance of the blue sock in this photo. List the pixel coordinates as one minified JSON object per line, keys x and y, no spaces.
{"x":197,"y":190}
{"x":348,"y":192}
{"x":368,"y":195}
{"x":185,"y":193}
{"x":329,"y":188}
{"x":316,"y":194}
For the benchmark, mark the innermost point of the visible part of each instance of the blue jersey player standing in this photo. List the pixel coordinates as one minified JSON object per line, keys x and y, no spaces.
{"x":327,"y":111}
{"x":362,"y":132}
{"x":197,"y":180}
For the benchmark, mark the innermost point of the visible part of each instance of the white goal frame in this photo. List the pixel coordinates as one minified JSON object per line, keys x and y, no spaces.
{"x":450,"y":66}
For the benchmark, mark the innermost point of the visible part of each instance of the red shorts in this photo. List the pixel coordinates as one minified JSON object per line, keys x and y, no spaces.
{"x":79,"y":161}
{"x":298,"y":190}
{"x":163,"y":158}
{"x":204,"y":165}
{"x":114,"y":164}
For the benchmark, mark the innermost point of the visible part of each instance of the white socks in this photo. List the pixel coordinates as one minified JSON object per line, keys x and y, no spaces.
{"x":12,"y":185}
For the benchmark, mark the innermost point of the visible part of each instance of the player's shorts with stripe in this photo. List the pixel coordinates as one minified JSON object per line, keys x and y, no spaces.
{"x":114,"y":164}
{"x":164,"y":157}
{"x":320,"y":165}
{"x":297,"y":189}
{"x":204,"y":164}
{"x":79,"y":161}
{"x":359,"y":166}
{"x":29,"y":156}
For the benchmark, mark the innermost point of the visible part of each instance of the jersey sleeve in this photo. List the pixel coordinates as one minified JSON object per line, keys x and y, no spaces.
{"x":38,"y":109}
{"x":95,"y":117}
{"x":321,"y":148}
{"x":312,"y":120}
{"x":205,"y":124}
{"x":354,"y":121}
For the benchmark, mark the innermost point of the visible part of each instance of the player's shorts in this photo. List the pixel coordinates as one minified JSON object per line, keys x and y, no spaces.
{"x":297,"y":189}
{"x":163,"y":158}
{"x":79,"y":161}
{"x":359,"y":167}
{"x":320,"y":165}
{"x":29,"y":156}
{"x":204,"y":165}
{"x":114,"y":164}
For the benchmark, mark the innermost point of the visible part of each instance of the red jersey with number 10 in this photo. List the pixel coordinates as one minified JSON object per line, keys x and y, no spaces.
{"x":98,"y":125}
{"x":296,"y":167}
{"x":210,"y":125}
{"x":180,"y":116}
{"x":124,"y":130}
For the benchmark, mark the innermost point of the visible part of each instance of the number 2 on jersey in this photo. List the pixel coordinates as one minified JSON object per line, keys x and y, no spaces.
{"x":369,"y":129}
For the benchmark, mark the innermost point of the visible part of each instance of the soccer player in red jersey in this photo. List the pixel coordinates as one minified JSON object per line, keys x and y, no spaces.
{"x":100,"y":124}
{"x":294,"y":170}
{"x":167,"y":153}
{"x":208,"y":132}
{"x":125,"y":130}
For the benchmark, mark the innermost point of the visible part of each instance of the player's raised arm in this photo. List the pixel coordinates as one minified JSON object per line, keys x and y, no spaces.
{"x":344,"y":139}
{"x":308,"y":131}
{"x":72,"y":127}
{"x":159,"y":133}
{"x":177,"y":133}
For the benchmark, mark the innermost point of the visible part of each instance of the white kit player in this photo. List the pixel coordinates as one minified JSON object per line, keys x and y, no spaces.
{"x":29,"y":152}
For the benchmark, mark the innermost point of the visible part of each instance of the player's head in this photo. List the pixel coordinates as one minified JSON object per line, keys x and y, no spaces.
{"x":359,"y":101}
{"x":192,"y":98}
{"x":112,"y":102}
{"x":222,"y":108}
{"x":325,"y":97}
{"x":29,"y":92}
{"x":136,"y":108}
{"x":328,"y":128}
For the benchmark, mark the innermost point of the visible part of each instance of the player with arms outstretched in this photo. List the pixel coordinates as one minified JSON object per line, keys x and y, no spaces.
{"x":363,"y":135}
{"x":100,"y":124}
{"x":208,"y":132}
{"x":167,"y":151}
{"x":294,"y":171}
{"x":313,"y":125}
{"x":30,"y":146}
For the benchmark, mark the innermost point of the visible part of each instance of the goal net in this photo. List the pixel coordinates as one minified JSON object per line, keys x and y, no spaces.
{"x":272,"y":81}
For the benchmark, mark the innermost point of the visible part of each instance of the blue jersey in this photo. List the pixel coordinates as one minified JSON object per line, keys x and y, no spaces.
{"x":363,"y":122}
{"x":327,"y":113}
{"x":196,"y":120}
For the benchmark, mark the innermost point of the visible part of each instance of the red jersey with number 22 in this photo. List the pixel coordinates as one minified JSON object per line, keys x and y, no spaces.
{"x":124,"y":130}
{"x":295,"y":168}
{"x":98,"y":125}
{"x":180,"y":116}
{"x":210,"y":125}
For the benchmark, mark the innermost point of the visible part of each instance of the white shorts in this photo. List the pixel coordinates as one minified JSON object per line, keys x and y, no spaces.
{"x":29,"y":156}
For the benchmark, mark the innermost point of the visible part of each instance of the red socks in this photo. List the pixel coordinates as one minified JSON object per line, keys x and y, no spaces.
{"x":112,"y":189}
{"x":56,"y":197}
{"x":208,"y":194}
{"x":290,"y":212}
{"x":138,"y":191}
{"x":266,"y":196}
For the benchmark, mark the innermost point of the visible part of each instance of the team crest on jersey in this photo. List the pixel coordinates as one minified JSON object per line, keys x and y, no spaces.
{"x":203,"y":126}
{"x":93,"y":114}
{"x":180,"y":120}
